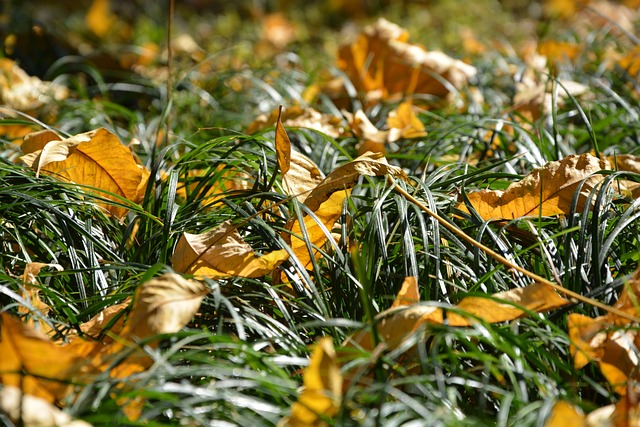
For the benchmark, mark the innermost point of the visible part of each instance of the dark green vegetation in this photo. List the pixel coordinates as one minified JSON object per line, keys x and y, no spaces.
{"x":240,"y":360}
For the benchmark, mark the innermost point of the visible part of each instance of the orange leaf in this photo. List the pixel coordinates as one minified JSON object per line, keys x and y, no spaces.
{"x":564,"y":414}
{"x":283,"y":146}
{"x":546,"y":191}
{"x":95,"y":159}
{"x":404,"y":124}
{"x":222,"y":252}
{"x":26,"y":361}
{"x":322,"y":391}
{"x":382,"y":64}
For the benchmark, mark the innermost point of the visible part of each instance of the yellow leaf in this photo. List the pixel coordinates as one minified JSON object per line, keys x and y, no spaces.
{"x":536,"y":297}
{"x":346,"y":176}
{"x":404,"y":124}
{"x":36,"y":141}
{"x":326,"y":199}
{"x":27,"y":357}
{"x":163,"y":305}
{"x":283,"y":146}
{"x":382,"y":64}
{"x":222,"y":252}
{"x":300,"y":117}
{"x":395,"y":324}
{"x":99,"y":18}
{"x":96,"y":159}
{"x":565,"y":414}
{"x":546,"y":191}
{"x":322,"y":392}
{"x":32,"y":292}
{"x":302,"y":176}
{"x":22,"y":92}
{"x":409,"y":293}
{"x":371,"y":139}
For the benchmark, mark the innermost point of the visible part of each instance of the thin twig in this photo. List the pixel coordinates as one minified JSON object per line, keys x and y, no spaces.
{"x":502,"y":260}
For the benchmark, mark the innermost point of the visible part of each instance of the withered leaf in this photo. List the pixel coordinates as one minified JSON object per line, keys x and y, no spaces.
{"x":546,"y":191}
{"x":222,"y":252}
{"x":96,"y":159}
{"x":322,"y":391}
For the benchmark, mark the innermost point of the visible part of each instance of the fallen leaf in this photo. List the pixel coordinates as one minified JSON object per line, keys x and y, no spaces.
{"x":322,"y":392}
{"x":381,"y":64}
{"x":30,"y":411}
{"x":32,"y":293}
{"x":564,"y":414}
{"x":222,"y":252}
{"x":346,"y":176}
{"x":300,"y":117}
{"x":25,"y":93}
{"x":546,"y":191}
{"x":26,"y":361}
{"x":326,"y":200}
{"x":299,"y":173}
{"x":369,"y":137}
{"x":608,"y":341}
{"x":100,"y":20}
{"x":395,"y":324}
{"x":283,"y":146}
{"x":404,"y":124}
{"x":96,"y":159}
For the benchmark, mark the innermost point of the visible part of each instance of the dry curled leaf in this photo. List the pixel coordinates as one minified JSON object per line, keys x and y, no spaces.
{"x":25,"y":93}
{"x":222,"y":252}
{"x":299,"y":173}
{"x":97,"y":159}
{"x":326,"y":200}
{"x":322,"y":392}
{"x":546,"y":191}
{"x":382,"y":64}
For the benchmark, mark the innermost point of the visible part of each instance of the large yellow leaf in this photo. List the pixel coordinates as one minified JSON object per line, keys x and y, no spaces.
{"x":403,"y":318}
{"x":222,"y":252}
{"x":96,"y":159}
{"x":546,"y":191}
{"x":322,"y":390}
{"x":382,"y":64}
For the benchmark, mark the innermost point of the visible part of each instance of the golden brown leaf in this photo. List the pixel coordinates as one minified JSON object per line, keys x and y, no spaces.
{"x":222,"y":252}
{"x":25,"y":93}
{"x":371,"y":139}
{"x":302,"y":177}
{"x":32,"y":292}
{"x":100,"y":20}
{"x":300,"y":117}
{"x":606,"y":340}
{"x":565,"y":414}
{"x":26,"y":361}
{"x":95,"y":159}
{"x":346,"y":176}
{"x":283,"y":146}
{"x":404,"y":124}
{"x":322,"y":390}
{"x":382,"y":64}
{"x":546,"y":191}
{"x":402,"y":319}
{"x":326,"y":200}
